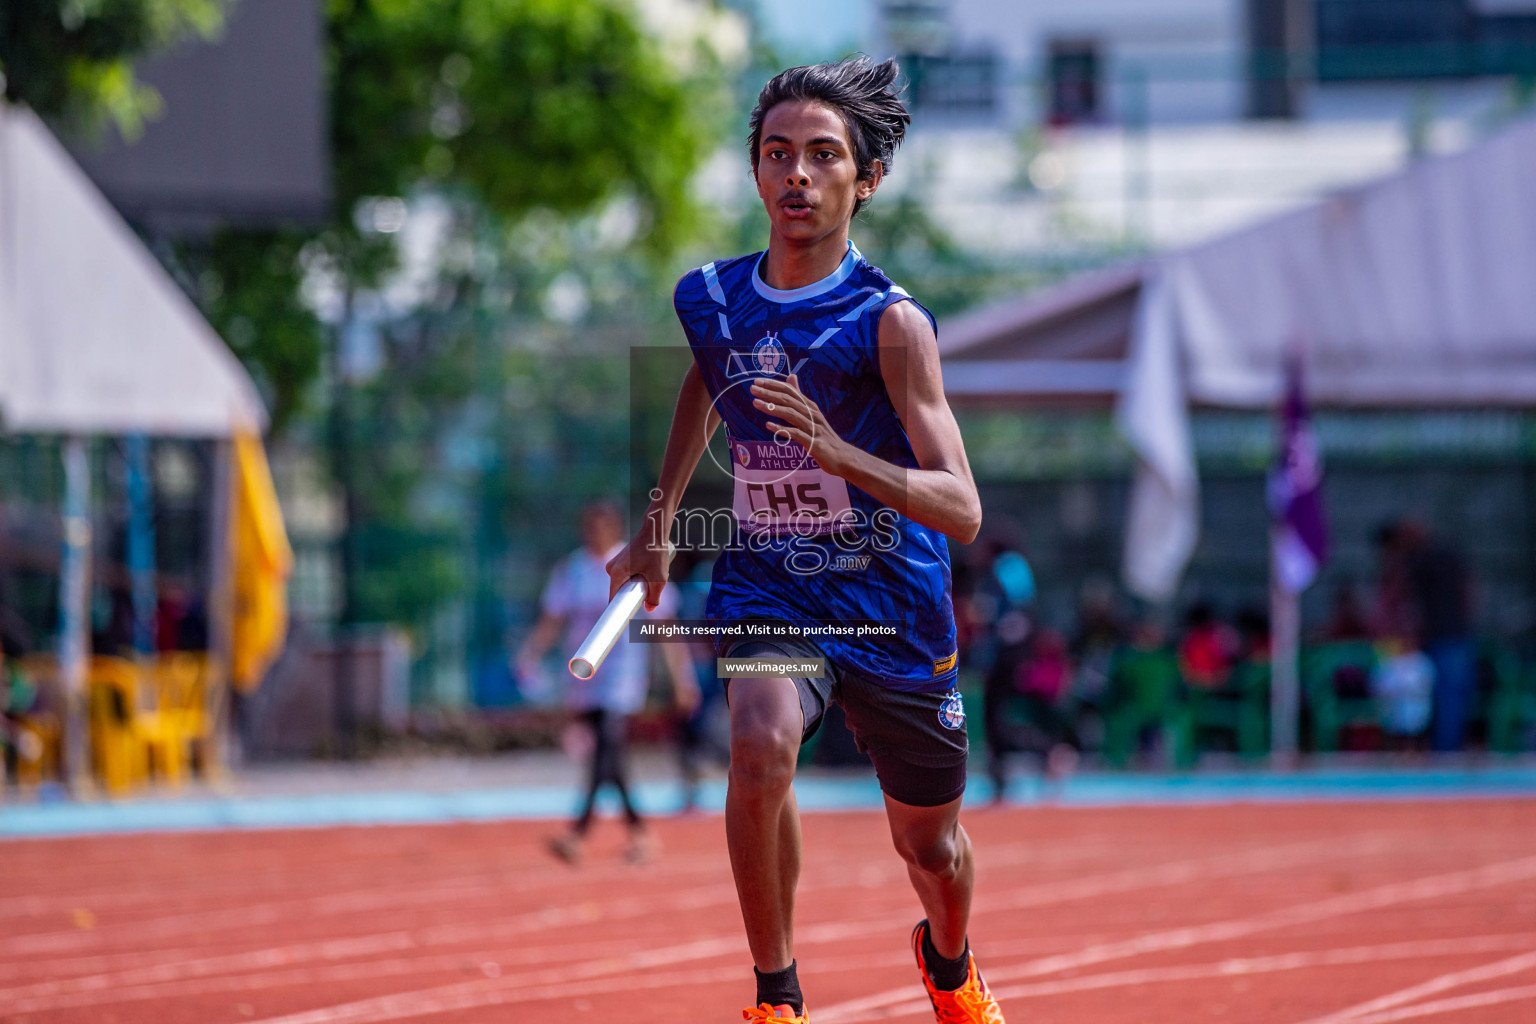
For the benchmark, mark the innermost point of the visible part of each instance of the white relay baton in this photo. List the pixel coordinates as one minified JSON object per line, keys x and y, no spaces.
{"x":609,"y":627}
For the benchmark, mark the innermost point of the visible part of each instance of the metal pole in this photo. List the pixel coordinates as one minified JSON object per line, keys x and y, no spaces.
{"x":141,"y":542}
{"x":223,"y":747}
{"x":74,"y":614}
{"x":1285,"y":676}
{"x":344,"y":709}
{"x":1138,"y":155}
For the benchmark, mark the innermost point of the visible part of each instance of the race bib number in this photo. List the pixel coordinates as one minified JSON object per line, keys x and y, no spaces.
{"x":781,"y":489}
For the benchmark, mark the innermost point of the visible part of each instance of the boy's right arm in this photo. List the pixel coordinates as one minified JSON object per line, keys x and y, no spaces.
{"x":694,"y":422}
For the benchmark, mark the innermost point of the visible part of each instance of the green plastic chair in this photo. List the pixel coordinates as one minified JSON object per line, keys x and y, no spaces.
{"x":1144,"y":692}
{"x":1239,"y":709}
{"x":1511,"y":706}
{"x":1330,"y":712}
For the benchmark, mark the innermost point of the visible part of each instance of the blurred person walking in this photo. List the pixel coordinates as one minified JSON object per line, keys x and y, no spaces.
{"x":697,"y":731}
{"x":1427,"y":593}
{"x":1007,"y":594}
{"x":573,"y":600}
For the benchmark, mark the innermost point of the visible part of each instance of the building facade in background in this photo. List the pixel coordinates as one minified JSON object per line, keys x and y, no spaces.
{"x":1084,"y":124}
{"x":243,"y":138}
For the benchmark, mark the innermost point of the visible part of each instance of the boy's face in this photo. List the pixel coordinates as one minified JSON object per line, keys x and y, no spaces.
{"x":807,"y":175}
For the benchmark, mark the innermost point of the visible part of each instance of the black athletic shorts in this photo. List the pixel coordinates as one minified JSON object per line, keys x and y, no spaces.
{"x":917,"y":741}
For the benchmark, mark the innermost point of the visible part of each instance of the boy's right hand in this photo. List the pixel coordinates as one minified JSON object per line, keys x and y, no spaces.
{"x":646,"y":559}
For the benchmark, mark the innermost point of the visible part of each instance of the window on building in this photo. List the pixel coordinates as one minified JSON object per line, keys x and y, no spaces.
{"x":1074,"y":81}
{"x":1407,"y":39}
{"x":956,"y":84}
{"x":917,"y":26}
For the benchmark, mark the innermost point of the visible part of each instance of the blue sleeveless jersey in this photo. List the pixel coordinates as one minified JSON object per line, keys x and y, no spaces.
{"x":808,"y":546}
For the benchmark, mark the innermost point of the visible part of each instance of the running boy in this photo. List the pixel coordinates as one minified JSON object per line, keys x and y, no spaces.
{"x":849,"y":472}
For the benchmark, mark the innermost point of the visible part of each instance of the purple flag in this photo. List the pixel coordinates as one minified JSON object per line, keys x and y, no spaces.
{"x":1295,"y":492}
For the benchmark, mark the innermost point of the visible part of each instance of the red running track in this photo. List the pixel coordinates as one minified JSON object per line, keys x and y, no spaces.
{"x":1290,"y":914}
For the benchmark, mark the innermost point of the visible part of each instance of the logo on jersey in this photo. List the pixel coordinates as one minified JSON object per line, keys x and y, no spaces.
{"x":952,"y":711}
{"x":767,"y":358}
{"x":742,"y":456}
{"x":768,"y":355}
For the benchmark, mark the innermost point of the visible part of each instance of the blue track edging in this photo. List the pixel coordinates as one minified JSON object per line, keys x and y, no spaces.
{"x":817,"y":793}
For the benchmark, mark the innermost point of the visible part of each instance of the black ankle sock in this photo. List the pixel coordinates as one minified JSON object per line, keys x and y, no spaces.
{"x":781,"y":988}
{"x":947,"y":975}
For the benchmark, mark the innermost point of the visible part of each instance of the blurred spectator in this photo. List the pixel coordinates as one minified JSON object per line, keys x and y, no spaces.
{"x":574,"y":599}
{"x":1403,"y":685}
{"x":1347,"y":620}
{"x":1030,"y":718}
{"x":1004,"y":597}
{"x":1099,"y":635}
{"x":1046,"y":673}
{"x":1143,"y":709}
{"x":170,"y":613}
{"x":113,"y":617}
{"x":1253,"y":639}
{"x":1427,"y":592}
{"x":181,"y":621}
{"x":698,"y":737}
{"x":1394,"y":614}
{"x":970,"y":618}
{"x":1207,"y":649}
{"x":18,"y":699}
{"x":1045,"y":683}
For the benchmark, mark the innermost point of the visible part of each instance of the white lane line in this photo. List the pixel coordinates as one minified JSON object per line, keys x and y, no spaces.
{"x":1244,"y":966}
{"x":176,"y":966}
{"x":1431,"y":887}
{"x":1434,"y":986}
{"x":1129,"y":880}
{"x":1036,"y":895}
{"x":478,"y":964}
{"x":26,"y":954}
{"x":427,"y":1001}
{"x":408,"y":1005}
{"x":47,"y":998}
{"x":231,"y":912}
{"x":1476,"y":1001}
{"x":586,"y":912}
{"x":619,"y":971}
{"x":274,"y":965}
{"x":500,"y":960}
{"x":274,"y":911}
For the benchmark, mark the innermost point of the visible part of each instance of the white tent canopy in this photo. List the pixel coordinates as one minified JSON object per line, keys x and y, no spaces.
{"x":1416,"y":290}
{"x":95,"y":338}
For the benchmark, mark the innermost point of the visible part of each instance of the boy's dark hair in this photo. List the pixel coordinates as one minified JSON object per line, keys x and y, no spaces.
{"x":862,"y":92}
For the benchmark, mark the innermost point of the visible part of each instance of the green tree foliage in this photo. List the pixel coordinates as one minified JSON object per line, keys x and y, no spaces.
{"x":250,"y":292}
{"x":73,"y":59}
{"x":530,"y":104}
{"x":506,"y":107}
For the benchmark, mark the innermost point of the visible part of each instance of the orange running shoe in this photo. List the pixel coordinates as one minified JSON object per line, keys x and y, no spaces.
{"x":782,"y":1014}
{"x":971,"y":1003}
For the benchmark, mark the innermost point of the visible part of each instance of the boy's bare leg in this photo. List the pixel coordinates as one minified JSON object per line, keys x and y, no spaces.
{"x":762,"y":821}
{"x":939,"y":862}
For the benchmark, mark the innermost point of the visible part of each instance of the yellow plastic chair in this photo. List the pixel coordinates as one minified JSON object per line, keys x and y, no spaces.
{"x":142,"y":720}
{"x":37,"y":754}
{"x":40,"y":752}
{"x":182,"y":720}
{"x":118,"y":729}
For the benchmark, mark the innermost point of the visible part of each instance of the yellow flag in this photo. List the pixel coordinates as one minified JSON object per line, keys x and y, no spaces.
{"x":261,"y":562}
